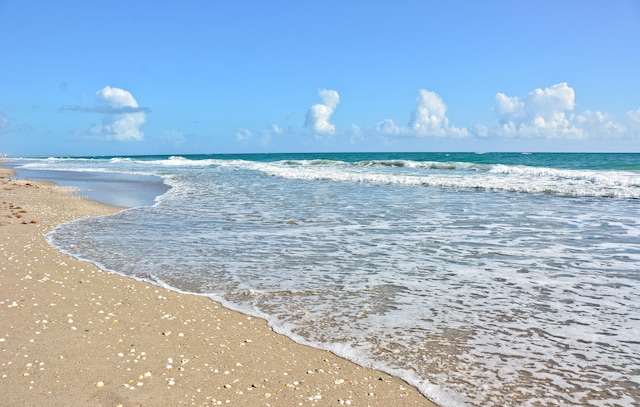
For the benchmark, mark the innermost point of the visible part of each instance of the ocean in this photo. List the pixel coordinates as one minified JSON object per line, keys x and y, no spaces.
{"x":497,"y":279}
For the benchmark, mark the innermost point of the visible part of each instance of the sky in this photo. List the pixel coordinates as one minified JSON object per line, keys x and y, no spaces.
{"x":89,"y":78}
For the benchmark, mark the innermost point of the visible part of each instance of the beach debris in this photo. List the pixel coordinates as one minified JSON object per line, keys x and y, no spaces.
{"x":100,"y":384}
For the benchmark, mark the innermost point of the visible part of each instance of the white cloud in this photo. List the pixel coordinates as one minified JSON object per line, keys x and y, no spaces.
{"x":481,"y":130}
{"x":634,"y":116}
{"x":428,"y":119}
{"x":319,"y":114}
{"x":545,"y":113}
{"x":429,"y":116}
{"x":117,"y":97}
{"x":267,"y":134}
{"x":263,"y":137}
{"x":243,"y":134}
{"x":634,"y":121}
{"x":599,"y":124}
{"x":548,"y":113}
{"x":275,"y":129}
{"x":388,"y":127}
{"x":122,"y":116}
{"x":541,"y":113}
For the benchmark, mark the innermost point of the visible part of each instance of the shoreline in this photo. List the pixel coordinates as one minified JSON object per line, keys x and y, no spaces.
{"x":73,"y":334}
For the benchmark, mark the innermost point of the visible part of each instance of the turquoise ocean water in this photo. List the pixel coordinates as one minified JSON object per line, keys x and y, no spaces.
{"x":482,"y":279}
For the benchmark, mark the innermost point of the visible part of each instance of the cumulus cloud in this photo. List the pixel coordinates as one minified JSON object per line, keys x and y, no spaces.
{"x":541,"y":113}
{"x":319,"y":114}
{"x":599,"y":124}
{"x":122,"y":117}
{"x":549,"y":113}
{"x":428,"y":119}
{"x":429,"y":116}
{"x":117,"y":97}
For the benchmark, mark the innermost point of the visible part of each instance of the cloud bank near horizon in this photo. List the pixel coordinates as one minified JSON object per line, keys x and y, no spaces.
{"x":544,"y":113}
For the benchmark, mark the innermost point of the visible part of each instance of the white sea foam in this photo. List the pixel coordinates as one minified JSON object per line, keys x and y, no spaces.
{"x":522,"y":179}
{"x":486,"y":299}
{"x":465,"y":175}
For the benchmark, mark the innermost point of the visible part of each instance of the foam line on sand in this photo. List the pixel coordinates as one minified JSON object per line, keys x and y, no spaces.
{"x":74,"y":335}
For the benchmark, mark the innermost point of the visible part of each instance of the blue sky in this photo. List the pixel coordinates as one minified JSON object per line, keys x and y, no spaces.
{"x":167,"y":77}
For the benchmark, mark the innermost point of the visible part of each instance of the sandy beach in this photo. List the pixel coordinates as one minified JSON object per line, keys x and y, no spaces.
{"x":75,"y":335}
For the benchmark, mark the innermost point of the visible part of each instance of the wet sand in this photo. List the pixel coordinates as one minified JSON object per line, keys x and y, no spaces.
{"x":74,"y":335}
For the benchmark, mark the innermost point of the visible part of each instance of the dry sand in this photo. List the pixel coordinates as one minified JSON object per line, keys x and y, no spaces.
{"x":74,"y":335}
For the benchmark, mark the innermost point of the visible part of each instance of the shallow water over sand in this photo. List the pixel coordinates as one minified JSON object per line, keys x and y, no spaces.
{"x":489,"y":294}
